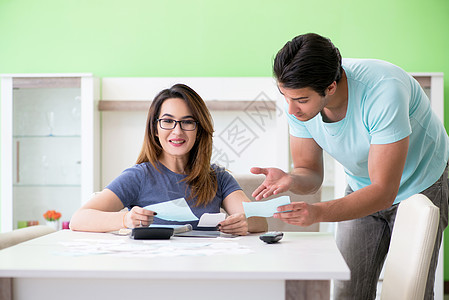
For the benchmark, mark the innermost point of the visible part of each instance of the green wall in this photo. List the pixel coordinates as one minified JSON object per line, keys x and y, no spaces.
{"x":214,"y":38}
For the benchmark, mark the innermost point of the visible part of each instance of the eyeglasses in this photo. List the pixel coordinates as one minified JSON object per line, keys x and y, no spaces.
{"x":168,"y":124}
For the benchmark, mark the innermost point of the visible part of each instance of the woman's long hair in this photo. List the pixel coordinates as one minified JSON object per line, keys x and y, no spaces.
{"x":201,"y":178}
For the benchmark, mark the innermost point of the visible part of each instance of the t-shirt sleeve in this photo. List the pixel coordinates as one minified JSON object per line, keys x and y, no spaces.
{"x":296,"y":127}
{"x":387,"y":112}
{"x":226,"y":183}
{"x":127,"y":185}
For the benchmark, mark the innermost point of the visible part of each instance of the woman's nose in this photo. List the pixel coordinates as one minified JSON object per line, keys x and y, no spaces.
{"x":177,"y":127}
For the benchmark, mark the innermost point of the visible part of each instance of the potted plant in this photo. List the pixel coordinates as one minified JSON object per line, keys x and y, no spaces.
{"x":52,"y":218}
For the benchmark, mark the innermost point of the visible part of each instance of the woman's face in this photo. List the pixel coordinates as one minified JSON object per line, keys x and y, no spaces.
{"x":176,"y":142}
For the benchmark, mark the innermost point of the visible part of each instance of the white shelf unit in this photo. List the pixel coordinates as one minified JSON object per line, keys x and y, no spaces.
{"x":49,"y":145}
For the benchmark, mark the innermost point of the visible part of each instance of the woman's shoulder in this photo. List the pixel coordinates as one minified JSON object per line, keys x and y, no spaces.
{"x":218,"y":168}
{"x":142,"y":168}
{"x":220,"y":171}
{"x":226,"y":181}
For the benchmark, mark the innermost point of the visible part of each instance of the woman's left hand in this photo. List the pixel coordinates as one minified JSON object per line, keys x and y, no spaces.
{"x":234,"y":224}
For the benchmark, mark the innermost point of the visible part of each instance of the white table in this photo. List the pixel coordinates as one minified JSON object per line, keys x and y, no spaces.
{"x":299,"y":267}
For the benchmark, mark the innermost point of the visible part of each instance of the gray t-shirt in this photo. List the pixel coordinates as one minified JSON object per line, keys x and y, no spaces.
{"x":142,"y":185}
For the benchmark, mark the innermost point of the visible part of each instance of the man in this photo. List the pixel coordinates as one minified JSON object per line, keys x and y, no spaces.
{"x":374,"y":119}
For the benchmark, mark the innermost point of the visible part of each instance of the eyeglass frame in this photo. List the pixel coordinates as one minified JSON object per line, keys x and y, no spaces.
{"x":176,"y":123}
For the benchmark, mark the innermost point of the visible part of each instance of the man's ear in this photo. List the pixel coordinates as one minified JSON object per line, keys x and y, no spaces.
{"x":332,"y":88}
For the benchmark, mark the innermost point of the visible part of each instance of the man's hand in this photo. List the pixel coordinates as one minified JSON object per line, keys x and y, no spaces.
{"x":276,"y":181}
{"x":298,"y":213}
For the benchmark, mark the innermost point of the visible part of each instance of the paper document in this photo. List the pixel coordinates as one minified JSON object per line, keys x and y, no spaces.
{"x":151,"y":248}
{"x":174,"y":210}
{"x":264,"y":208}
{"x":211,"y":220}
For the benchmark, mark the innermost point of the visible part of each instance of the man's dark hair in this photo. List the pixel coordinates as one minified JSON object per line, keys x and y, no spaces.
{"x":309,"y":60}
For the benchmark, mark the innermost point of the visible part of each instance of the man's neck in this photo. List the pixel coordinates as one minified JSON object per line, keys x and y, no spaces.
{"x":336,"y":108}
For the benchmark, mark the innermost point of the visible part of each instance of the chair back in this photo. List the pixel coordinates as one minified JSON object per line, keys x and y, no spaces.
{"x":411,"y":248}
{"x":16,"y":236}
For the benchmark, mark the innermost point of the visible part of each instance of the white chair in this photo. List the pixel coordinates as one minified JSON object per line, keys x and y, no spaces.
{"x":411,"y":247}
{"x":11,"y":238}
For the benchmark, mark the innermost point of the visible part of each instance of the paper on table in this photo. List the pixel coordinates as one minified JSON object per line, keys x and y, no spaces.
{"x":211,"y":220}
{"x":151,"y":248}
{"x":264,"y":208}
{"x":174,"y":210}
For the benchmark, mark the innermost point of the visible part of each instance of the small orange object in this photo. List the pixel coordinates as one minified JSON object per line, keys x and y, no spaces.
{"x":52,"y":215}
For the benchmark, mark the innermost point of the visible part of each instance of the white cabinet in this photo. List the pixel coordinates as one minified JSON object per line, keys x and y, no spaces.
{"x":50,"y":145}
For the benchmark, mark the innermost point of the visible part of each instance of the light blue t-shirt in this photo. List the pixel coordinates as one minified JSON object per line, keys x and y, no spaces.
{"x":142,"y":185}
{"x":385,"y":105}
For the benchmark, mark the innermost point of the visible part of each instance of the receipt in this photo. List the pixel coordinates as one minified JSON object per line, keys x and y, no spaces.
{"x":264,"y":208}
{"x":211,"y":220}
{"x":174,"y":210}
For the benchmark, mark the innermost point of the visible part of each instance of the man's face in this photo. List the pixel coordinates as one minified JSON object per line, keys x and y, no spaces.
{"x":303,"y":103}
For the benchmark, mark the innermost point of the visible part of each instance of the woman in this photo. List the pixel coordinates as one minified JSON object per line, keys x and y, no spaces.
{"x":174,"y":163}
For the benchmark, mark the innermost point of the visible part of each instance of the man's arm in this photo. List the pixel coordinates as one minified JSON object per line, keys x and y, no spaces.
{"x":308,"y":171}
{"x":306,"y":178}
{"x":385,"y":167}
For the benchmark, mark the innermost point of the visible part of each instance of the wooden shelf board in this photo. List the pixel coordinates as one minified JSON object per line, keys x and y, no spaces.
{"x":46,"y":82}
{"x":216,"y":105}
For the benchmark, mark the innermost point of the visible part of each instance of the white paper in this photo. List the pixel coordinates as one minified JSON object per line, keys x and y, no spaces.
{"x":152,"y":248}
{"x":211,"y":220}
{"x":264,"y":208}
{"x":174,"y":210}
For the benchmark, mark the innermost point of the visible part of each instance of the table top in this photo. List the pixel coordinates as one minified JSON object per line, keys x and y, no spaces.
{"x":298,"y":256}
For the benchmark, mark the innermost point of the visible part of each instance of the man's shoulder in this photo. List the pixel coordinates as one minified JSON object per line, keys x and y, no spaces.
{"x":356,"y":65}
{"x":372,"y":73}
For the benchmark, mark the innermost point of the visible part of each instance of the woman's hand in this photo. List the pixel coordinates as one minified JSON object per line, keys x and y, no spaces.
{"x":138,"y":217}
{"x":276,"y":181}
{"x":234,"y":224}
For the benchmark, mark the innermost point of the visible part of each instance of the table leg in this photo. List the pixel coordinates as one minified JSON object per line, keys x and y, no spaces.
{"x":307,"y":289}
{"x":5,"y":288}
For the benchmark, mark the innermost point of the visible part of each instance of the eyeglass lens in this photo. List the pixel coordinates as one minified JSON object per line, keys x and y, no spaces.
{"x":187,"y":125}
